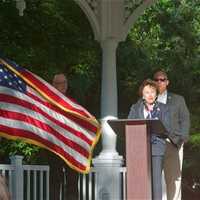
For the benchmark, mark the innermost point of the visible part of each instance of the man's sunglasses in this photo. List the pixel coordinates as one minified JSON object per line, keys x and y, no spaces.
{"x":160,"y":79}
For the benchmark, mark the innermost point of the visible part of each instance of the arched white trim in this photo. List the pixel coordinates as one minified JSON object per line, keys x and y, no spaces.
{"x":91,"y":17}
{"x":135,"y":15}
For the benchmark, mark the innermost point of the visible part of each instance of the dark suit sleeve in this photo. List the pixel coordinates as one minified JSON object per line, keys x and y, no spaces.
{"x":134,"y":110}
{"x":184,"y":120}
{"x":132,"y":113}
{"x":180,"y":129}
{"x":165,"y":118}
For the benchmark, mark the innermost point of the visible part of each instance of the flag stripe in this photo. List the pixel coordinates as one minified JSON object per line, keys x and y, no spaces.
{"x":44,"y":127}
{"x":45,"y":87}
{"x":22,"y":99}
{"x":81,"y":122}
{"x":27,"y":128}
{"x":9,"y":108}
{"x":53,"y":95}
{"x":22,"y":133}
{"x":25,"y":104}
{"x":31,"y":109}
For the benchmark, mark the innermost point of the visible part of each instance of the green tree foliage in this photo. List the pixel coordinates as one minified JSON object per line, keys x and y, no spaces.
{"x":52,"y":36}
{"x":18,"y":147}
{"x":167,"y":36}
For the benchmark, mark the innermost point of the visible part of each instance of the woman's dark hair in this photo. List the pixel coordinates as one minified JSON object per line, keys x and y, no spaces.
{"x":146,"y":82}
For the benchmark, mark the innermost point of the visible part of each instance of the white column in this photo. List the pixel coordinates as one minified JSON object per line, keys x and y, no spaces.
{"x":109,"y":79}
{"x":108,"y":96}
{"x":18,"y":178}
{"x":108,"y":178}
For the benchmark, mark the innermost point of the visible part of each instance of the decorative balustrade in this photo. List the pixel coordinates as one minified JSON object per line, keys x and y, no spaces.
{"x":26,"y":182}
{"x":88,"y":188}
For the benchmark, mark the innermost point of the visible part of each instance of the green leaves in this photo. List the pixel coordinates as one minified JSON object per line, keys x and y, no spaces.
{"x":19,"y":147}
{"x":167,"y":36}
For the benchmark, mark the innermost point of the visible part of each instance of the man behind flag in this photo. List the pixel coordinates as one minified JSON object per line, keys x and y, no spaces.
{"x":33,"y":110}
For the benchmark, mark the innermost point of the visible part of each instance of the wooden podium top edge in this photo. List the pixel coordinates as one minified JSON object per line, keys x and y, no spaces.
{"x":132,"y":121}
{"x":156,"y":126}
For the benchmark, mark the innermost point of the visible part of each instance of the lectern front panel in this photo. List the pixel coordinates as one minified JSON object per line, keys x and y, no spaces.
{"x":138,"y":162}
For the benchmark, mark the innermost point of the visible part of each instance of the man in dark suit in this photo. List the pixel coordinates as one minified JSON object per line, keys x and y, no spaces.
{"x":63,"y":176}
{"x":179,"y":124}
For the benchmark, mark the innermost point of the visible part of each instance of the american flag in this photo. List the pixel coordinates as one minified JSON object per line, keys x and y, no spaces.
{"x":33,"y":110}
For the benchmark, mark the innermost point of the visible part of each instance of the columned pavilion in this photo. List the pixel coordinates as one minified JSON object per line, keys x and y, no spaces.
{"x":110,"y":21}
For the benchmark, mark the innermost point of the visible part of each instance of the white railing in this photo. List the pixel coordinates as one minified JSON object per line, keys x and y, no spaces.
{"x":31,"y":182}
{"x":26,"y":182}
{"x":7,"y":171}
{"x":88,"y":188}
{"x":36,"y":179}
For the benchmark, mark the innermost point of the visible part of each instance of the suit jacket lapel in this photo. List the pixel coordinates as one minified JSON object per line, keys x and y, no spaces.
{"x":169,"y":97}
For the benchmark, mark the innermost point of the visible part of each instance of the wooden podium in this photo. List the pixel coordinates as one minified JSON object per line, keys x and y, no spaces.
{"x":138,"y":154}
